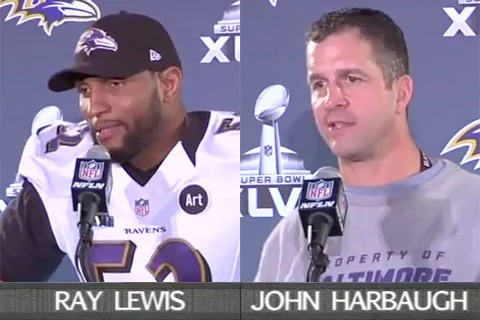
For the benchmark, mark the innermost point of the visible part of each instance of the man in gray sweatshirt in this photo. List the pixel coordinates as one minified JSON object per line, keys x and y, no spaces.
{"x":410,"y":218}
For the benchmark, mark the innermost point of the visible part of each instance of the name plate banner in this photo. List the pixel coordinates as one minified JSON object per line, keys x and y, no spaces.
{"x":239,"y":301}
{"x":288,"y":301}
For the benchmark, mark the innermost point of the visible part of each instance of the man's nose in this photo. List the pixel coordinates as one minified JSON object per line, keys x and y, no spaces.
{"x":96,"y":104}
{"x":335,"y":97}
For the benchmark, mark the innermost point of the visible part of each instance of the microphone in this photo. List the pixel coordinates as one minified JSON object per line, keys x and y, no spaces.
{"x":91,"y":189}
{"x":323,"y":208}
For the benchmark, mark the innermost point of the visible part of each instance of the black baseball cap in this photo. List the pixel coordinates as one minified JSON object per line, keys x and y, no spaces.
{"x":118,"y":46}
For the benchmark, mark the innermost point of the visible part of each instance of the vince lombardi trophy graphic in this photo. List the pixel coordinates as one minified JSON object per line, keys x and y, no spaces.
{"x":269,"y":107}
{"x":271,"y":175}
{"x":271,"y":158}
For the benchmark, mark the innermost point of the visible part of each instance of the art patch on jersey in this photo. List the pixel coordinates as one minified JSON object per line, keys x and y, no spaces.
{"x":193,"y":199}
{"x":51,"y":13}
{"x":142,"y":207}
{"x":95,"y":39}
{"x":319,"y":190}
{"x":469,"y":137}
{"x":91,"y":170}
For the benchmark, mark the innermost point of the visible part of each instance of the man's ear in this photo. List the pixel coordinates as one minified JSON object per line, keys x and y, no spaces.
{"x":169,"y":83}
{"x":404,"y":87}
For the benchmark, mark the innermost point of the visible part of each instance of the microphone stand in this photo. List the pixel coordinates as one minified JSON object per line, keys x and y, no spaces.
{"x":319,"y":262}
{"x":320,"y":225}
{"x":88,"y":209}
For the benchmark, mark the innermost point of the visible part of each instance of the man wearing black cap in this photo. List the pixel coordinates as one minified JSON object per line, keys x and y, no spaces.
{"x":174,"y":196}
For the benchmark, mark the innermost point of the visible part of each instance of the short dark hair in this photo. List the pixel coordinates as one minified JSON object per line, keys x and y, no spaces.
{"x":385,"y":36}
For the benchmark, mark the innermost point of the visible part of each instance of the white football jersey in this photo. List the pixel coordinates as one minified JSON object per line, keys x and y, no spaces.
{"x":183,"y":225}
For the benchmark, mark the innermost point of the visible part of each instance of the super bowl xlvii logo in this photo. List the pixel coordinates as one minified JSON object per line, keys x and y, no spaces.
{"x":468,"y":138}
{"x":226,"y":47}
{"x":319,"y":190}
{"x":51,"y":13}
{"x":271,"y":176}
{"x":95,"y":39}
{"x":463,"y":22}
{"x":91,"y":170}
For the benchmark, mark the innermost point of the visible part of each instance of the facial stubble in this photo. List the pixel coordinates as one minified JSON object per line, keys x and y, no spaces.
{"x":140,"y":133}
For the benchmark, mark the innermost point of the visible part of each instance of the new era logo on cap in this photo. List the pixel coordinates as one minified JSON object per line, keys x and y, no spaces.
{"x":155,"y":56}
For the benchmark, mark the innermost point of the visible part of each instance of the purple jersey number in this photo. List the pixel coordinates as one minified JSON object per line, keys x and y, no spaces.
{"x":174,"y":255}
{"x":229,"y":124}
{"x":69,"y":136}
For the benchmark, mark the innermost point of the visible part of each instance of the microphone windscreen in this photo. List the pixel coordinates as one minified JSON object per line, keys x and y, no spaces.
{"x":327,"y":173}
{"x":98,"y":152}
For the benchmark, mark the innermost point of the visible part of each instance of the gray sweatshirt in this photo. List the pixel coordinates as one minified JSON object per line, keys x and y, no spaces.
{"x":425,"y":228}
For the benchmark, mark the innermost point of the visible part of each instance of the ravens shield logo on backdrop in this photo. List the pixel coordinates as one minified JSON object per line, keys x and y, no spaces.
{"x":51,"y":13}
{"x":469,"y":137}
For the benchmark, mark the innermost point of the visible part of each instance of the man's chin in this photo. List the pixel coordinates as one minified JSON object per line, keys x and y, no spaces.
{"x":116,"y":151}
{"x":112,"y":148}
{"x":340,"y":150}
{"x":349,"y":154}
{"x":120,"y":154}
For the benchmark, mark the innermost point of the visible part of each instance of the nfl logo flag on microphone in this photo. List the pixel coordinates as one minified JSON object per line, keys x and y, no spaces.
{"x":324,"y":195}
{"x":319,"y":190}
{"x":91,"y":170}
{"x":91,"y":175}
